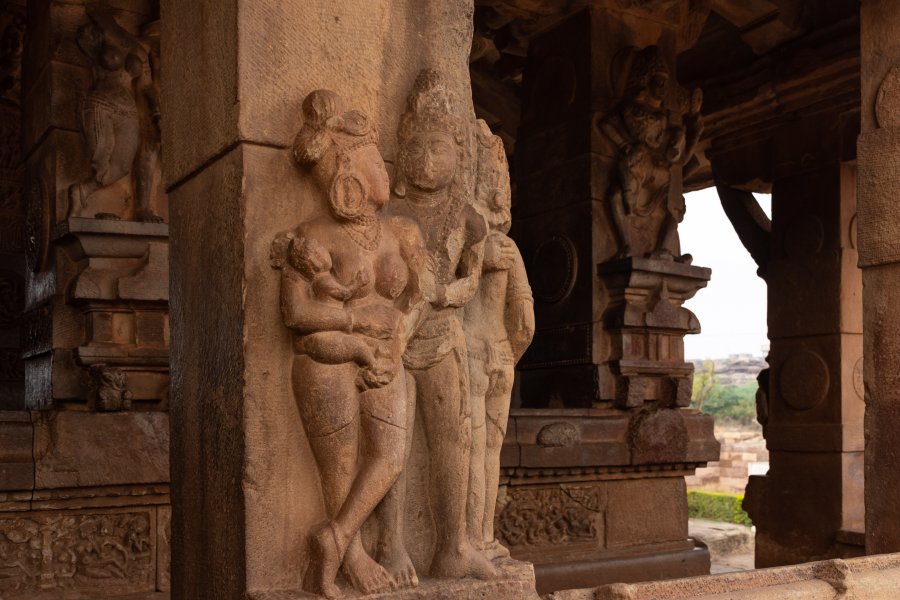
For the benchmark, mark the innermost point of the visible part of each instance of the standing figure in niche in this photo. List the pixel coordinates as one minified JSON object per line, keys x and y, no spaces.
{"x":499,"y":325}
{"x":652,"y":137}
{"x":350,"y":287}
{"x":433,"y":186}
{"x":120,"y":113}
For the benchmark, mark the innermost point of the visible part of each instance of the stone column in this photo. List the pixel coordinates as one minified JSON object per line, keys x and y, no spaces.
{"x":603,"y":426}
{"x":879,"y":257}
{"x":245,"y":486}
{"x":810,"y":504}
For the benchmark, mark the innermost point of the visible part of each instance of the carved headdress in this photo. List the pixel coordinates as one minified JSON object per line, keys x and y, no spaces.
{"x":646,"y":64}
{"x":430,"y":107}
{"x":324,"y":145}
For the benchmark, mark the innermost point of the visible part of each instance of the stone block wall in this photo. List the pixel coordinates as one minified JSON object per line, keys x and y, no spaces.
{"x":740,"y":450}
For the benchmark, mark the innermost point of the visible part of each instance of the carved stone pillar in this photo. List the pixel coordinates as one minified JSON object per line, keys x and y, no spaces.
{"x":605,"y":135}
{"x":247,"y":493}
{"x":879,"y":223}
{"x":810,"y":504}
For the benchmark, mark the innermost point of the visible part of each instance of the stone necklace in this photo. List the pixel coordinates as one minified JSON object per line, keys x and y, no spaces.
{"x":365,"y":231}
{"x":437,"y":225}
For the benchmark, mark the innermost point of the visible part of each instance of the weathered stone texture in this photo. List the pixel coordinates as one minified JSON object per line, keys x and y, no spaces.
{"x":368,"y":52}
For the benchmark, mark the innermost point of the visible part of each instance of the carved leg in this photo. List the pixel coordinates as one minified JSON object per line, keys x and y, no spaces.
{"x":99,"y":129}
{"x":148,"y":157}
{"x":448,"y":430}
{"x":617,"y":207}
{"x":497,"y":409}
{"x":383,"y":432}
{"x":477,"y":493}
{"x":328,"y":404}
{"x":390,"y":513}
{"x":126,"y":141}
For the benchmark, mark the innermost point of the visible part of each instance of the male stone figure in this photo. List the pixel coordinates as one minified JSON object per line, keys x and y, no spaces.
{"x":499,"y":325}
{"x":433,"y":186}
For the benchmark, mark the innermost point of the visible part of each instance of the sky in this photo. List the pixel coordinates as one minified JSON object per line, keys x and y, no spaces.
{"x":732,"y":308}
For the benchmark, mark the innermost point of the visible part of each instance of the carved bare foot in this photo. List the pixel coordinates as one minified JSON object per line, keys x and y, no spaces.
{"x":364,"y":574}
{"x":395,"y":559}
{"x":495,"y":550}
{"x":456,"y":563}
{"x":324,"y":562}
{"x":147,"y":216}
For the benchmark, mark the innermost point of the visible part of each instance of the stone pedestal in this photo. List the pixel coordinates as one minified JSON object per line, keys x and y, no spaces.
{"x":598,"y":496}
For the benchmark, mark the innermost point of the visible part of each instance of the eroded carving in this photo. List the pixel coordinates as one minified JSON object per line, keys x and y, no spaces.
{"x":351,"y":288}
{"x":434,"y":187}
{"x":119,"y":114}
{"x":499,"y":325}
{"x":107,"y":389}
{"x":555,"y":515}
{"x":45,"y":554}
{"x":655,"y":127}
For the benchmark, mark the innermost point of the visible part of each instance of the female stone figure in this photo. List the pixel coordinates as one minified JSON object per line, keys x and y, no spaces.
{"x":349,"y":281}
{"x":653,"y":135}
{"x":499,"y":325}
{"x":434,"y":178}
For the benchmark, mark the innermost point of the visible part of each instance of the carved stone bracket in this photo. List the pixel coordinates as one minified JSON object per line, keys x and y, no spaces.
{"x":645,"y":321}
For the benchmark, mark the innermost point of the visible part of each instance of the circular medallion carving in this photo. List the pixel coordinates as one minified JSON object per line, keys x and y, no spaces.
{"x":804,"y":236}
{"x":553,"y":269}
{"x":887,"y":102}
{"x":804,"y":380}
{"x":858,"y":381}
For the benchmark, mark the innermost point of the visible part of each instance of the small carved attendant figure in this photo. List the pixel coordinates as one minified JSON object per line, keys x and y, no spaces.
{"x":120,"y":113}
{"x":435,"y":171}
{"x":652,"y":138}
{"x":499,"y":325}
{"x":109,"y":115}
{"x":350,"y":280}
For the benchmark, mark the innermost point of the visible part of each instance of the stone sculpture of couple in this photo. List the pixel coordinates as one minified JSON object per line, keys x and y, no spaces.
{"x":376,"y":298}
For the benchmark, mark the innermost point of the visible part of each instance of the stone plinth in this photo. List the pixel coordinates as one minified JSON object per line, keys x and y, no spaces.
{"x":597,"y":496}
{"x":872,"y":577}
{"x":515,"y":581}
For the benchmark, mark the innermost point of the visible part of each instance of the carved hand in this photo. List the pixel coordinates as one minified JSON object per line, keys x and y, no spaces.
{"x":379,"y":374}
{"x":376,"y":321}
{"x":499,"y":253}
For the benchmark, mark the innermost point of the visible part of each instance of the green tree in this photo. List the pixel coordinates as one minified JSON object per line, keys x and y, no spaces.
{"x":705,"y":383}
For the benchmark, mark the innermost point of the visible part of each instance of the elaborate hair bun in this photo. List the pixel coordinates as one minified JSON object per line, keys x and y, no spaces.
{"x":327,"y":126}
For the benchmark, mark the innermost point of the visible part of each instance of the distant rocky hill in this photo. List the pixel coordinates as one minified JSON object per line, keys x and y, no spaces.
{"x":737,"y":369}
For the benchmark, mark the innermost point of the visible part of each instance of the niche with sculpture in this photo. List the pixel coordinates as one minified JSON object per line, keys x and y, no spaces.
{"x":119,"y":117}
{"x":408,"y":308}
{"x":655,"y":128}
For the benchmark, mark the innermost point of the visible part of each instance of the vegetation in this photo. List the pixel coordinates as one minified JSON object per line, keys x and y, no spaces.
{"x":734,"y":403}
{"x":717,"y":507}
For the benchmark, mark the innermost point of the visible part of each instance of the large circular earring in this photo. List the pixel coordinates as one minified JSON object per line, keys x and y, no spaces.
{"x":348,"y":196}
